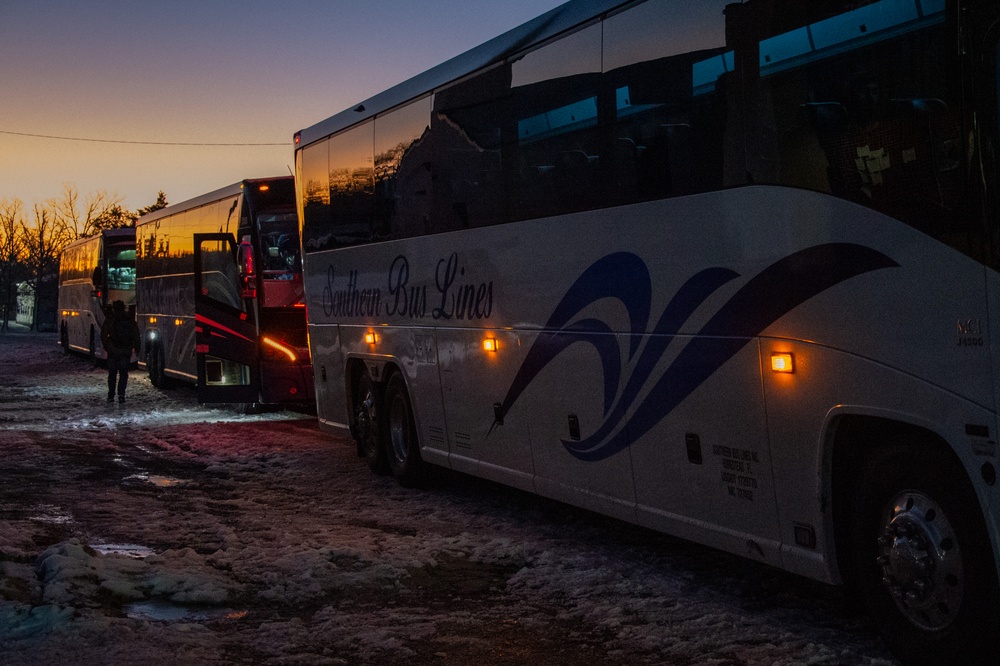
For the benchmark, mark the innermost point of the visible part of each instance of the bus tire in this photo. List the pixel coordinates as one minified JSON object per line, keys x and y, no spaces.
{"x":64,"y":338}
{"x":401,"y":435}
{"x":922,"y":557}
{"x":368,"y":426}
{"x":154,"y":366}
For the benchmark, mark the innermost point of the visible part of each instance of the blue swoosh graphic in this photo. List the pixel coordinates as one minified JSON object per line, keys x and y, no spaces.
{"x":764,"y":299}
{"x":621,"y":275}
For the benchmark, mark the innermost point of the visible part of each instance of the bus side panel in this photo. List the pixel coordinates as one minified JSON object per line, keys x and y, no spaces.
{"x":803,"y":410}
{"x":331,"y":392}
{"x":169,"y":299}
{"x":567,"y":402}
{"x":83,"y":314}
{"x":473,"y":380}
{"x":713,"y":446}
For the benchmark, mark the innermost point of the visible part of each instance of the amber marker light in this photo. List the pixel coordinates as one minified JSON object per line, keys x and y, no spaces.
{"x":178,"y":322}
{"x":265,"y":187}
{"x":277,"y":346}
{"x":783,"y":362}
{"x":152,"y":320}
{"x":370,"y":338}
{"x":490,"y":345}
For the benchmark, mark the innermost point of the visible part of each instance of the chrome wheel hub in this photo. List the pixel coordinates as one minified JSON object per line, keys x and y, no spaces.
{"x":921,"y":561}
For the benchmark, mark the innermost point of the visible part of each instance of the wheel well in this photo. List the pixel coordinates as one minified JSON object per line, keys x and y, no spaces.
{"x":854,"y":441}
{"x":356,"y":368}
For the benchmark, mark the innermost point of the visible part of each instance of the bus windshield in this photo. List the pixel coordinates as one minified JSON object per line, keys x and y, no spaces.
{"x":279,"y":245}
{"x":121,"y":267}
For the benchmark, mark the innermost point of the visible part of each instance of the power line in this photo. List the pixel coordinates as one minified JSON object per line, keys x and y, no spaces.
{"x":138,"y":143}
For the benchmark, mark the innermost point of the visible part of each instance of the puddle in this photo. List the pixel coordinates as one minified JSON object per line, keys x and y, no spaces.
{"x":163,"y":611}
{"x":124,"y":549}
{"x":158,"y":481}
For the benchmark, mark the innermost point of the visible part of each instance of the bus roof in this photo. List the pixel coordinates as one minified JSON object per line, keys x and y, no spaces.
{"x":110,"y":234}
{"x":535,"y":31}
{"x":207,"y":198}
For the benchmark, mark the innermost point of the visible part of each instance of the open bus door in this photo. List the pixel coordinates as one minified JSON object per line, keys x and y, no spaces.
{"x":225,"y":331}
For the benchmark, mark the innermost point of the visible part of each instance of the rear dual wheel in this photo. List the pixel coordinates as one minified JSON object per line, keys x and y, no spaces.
{"x":401,"y":435}
{"x":368,"y":425}
{"x":385,"y":430}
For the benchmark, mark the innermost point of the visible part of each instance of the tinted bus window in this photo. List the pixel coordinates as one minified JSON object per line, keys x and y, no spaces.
{"x":866,"y":115}
{"x":670,"y":130}
{"x":352,"y":186}
{"x":317,"y":226}
{"x":465,"y":138}
{"x":556,"y":92}
{"x":403,"y":170}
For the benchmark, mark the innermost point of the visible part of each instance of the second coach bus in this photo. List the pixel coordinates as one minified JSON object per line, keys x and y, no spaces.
{"x":726,"y":269}
{"x":219,"y":293}
{"x":94,"y":272}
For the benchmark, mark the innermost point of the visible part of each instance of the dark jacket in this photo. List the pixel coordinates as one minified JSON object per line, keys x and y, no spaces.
{"x":119,"y":334}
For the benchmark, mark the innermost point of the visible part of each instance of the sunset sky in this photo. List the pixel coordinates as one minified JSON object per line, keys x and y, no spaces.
{"x":126,"y":74}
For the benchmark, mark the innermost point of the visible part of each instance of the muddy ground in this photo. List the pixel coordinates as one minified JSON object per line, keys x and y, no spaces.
{"x":165,"y":532}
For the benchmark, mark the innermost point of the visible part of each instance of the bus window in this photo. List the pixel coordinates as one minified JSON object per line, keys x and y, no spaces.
{"x":402,"y":176}
{"x":466,"y":166}
{"x":220,"y":274}
{"x":555,"y":90}
{"x":352,"y":186}
{"x":317,"y":227}
{"x":279,"y":245}
{"x":670,"y":130}
{"x":869,"y":116}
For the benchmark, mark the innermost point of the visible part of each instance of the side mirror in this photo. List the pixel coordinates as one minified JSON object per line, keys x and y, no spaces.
{"x":248,"y":275}
{"x":246,"y":258}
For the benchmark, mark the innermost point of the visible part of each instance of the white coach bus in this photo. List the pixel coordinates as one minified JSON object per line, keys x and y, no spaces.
{"x":94,"y":272}
{"x":723,"y":269}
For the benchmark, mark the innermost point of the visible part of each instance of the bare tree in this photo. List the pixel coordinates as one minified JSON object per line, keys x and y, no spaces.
{"x":44,"y":240}
{"x":98,"y":211}
{"x":11,"y":254}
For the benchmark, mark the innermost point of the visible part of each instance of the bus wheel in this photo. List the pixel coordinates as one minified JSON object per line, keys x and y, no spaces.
{"x":401,"y":435}
{"x":64,"y":338}
{"x":366,"y":418}
{"x":922,"y":557}
{"x":154,"y":366}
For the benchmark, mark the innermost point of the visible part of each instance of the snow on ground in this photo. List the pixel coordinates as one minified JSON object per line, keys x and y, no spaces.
{"x":162,"y":531}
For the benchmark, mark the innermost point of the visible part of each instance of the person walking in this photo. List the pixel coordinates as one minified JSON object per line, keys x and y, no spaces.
{"x":119,"y":335}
